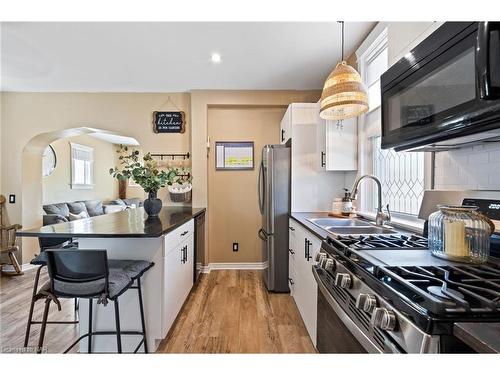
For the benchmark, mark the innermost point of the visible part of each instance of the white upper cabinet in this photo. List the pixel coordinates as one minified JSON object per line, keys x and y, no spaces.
{"x":404,"y":36}
{"x":286,"y":126}
{"x":337,"y":145}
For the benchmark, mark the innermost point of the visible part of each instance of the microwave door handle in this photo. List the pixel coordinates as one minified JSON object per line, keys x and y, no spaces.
{"x":483,"y":58}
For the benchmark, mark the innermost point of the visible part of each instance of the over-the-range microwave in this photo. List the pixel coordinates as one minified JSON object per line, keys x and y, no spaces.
{"x":445,"y":93}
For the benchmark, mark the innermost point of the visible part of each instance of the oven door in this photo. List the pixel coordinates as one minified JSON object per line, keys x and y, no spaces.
{"x":336,"y":332}
{"x":447,"y":87}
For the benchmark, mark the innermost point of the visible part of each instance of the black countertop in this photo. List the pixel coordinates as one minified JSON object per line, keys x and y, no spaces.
{"x":482,"y":337}
{"x":130,"y":223}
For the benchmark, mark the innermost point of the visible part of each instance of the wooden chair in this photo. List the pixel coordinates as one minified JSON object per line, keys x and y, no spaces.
{"x":8,"y":245}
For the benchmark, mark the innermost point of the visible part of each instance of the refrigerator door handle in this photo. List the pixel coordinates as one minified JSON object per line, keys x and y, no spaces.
{"x":262,"y":235}
{"x":261,"y":187}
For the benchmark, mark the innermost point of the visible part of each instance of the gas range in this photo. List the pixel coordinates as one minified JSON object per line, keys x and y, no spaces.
{"x":401,"y":298}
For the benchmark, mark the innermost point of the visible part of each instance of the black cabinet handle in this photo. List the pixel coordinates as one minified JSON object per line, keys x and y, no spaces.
{"x":184,"y":233}
{"x":291,"y":251}
{"x":291,"y":281}
{"x":291,"y":228}
{"x":184,"y":256}
{"x":323,"y":154}
{"x":305,"y":248}
{"x":282,"y":135}
{"x":308,"y":252}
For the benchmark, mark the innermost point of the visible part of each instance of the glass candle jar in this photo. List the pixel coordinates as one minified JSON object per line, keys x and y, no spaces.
{"x":460,"y":233}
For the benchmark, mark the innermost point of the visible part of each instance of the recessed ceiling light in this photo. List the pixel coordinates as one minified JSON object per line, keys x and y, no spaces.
{"x":216,"y":58}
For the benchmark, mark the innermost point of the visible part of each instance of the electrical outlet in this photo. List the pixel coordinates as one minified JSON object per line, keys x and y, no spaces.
{"x":235,"y":246}
{"x":12,"y":198}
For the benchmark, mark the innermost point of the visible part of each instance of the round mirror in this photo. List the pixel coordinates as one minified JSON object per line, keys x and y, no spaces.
{"x":49,"y":161}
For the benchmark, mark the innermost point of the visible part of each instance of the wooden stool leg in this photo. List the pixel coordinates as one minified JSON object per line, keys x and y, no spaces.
{"x":44,"y":325}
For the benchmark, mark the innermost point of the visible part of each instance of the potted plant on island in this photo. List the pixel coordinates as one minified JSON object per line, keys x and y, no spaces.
{"x":146,"y":174}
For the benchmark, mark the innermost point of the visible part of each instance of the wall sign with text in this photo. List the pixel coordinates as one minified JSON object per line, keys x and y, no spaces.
{"x":169,"y":122}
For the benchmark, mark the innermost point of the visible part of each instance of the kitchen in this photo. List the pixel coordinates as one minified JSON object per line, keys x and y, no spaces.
{"x":360,"y":218}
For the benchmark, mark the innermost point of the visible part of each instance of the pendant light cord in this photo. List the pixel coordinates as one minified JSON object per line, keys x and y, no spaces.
{"x":342,"y":23}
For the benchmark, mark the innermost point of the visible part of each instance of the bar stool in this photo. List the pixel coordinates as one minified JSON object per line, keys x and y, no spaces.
{"x":41,"y":261}
{"x":88,"y":274}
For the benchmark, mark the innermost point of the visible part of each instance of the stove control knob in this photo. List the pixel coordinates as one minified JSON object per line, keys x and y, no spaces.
{"x":330,"y":265}
{"x":320,"y":255}
{"x":343,"y":280}
{"x":366,"y":302}
{"x":322,"y":260}
{"x":384,"y":319}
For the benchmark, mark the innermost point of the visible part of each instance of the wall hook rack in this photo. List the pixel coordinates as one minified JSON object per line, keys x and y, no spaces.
{"x":171,"y":156}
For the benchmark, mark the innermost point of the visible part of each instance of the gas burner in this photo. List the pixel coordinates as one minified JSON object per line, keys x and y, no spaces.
{"x":448,"y":294}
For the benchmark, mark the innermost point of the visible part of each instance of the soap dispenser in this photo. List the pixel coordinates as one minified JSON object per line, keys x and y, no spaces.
{"x":346,"y":204}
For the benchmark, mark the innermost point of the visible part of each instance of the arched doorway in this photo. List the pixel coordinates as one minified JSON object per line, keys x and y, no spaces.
{"x":32,"y":192}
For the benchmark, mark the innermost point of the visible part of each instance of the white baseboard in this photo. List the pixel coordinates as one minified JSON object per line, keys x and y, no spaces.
{"x":233,"y":266}
{"x":24,"y":267}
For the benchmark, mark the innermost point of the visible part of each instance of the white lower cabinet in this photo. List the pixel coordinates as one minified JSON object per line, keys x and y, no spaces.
{"x":178,"y":278}
{"x":303,"y":248}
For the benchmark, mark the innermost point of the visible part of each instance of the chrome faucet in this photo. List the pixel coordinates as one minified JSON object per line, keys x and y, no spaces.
{"x":381,"y":215}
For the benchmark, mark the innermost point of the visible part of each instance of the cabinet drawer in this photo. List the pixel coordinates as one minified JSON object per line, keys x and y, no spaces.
{"x":174,"y":238}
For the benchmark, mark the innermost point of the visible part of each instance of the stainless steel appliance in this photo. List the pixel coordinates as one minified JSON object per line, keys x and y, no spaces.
{"x":445,"y":93}
{"x":387,"y":293}
{"x":274,"y":205}
{"x":199,"y":245}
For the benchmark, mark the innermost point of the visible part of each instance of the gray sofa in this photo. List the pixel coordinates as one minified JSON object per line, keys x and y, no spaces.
{"x":59,"y":212}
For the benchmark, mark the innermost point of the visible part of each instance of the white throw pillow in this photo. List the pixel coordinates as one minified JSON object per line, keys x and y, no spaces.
{"x":108,"y":209}
{"x":81,"y":215}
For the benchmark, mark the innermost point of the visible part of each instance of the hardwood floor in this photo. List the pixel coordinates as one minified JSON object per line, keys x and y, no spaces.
{"x":15,"y":297}
{"x":231,"y":312}
{"x":227,"y":312}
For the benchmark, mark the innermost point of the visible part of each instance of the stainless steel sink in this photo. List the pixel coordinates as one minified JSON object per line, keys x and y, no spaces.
{"x":325,"y":222}
{"x":349,"y":226}
{"x":359,"y":230}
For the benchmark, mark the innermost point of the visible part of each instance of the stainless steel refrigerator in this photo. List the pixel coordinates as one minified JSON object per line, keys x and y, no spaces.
{"x":274,"y":204}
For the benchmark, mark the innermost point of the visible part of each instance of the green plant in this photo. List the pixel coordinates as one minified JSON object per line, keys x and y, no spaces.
{"x":179,"y":175}
{"x":146,"y":174}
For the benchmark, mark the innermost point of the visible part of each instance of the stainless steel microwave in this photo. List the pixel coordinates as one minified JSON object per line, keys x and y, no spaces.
{"x":445,"y":93}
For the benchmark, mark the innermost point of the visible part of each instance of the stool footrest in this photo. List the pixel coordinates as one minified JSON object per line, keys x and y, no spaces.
{"x":99,"y":333}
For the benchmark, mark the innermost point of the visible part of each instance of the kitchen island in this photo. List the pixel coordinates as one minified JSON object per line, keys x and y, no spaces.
{"x":166,"y":240}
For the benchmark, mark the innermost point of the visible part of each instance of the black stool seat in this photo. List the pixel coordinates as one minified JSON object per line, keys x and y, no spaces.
{"x":122,"y":274}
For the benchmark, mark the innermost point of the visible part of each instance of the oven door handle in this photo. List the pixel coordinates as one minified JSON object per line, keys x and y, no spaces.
{"x":349,"y":324}
{"x":483,"y":68}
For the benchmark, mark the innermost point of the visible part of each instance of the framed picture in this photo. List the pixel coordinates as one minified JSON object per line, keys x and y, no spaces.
{"x":234,"y":156}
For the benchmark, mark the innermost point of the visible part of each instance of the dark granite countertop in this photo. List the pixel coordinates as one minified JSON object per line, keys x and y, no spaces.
{"x":130,"y":223}
{"x":301,"y":218}
{"x":482,"y":337}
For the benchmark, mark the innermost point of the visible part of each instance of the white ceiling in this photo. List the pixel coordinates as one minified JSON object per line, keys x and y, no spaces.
{"x":171,"y":57}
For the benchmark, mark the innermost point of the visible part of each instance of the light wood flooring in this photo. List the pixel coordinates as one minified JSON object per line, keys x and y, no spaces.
{"x":231,"y":312}
{"x":226,"y":312}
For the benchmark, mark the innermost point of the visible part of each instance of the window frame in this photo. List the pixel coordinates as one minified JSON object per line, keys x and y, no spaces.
{"x":373,"y":46}
{"x":88,"y":184}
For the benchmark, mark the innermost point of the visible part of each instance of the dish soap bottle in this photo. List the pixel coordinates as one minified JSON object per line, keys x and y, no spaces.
{"x":346,"y":204}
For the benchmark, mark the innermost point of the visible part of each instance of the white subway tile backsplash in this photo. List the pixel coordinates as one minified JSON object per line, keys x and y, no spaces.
{"x":475,"y":167}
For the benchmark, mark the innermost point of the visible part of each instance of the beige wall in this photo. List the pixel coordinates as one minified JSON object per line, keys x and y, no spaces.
{"x":233,"y":212}
{"x":26,"y":115}
{"x":56,"y":187}
{"x":201,"y":101}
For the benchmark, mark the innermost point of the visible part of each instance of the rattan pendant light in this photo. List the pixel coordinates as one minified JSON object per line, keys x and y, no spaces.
{"x":344,"y":94}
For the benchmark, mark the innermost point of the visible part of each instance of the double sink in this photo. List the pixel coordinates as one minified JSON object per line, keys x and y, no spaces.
{"x":349,"y":226}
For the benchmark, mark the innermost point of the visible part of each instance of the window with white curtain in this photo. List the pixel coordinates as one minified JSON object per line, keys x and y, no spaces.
{"x":82,"y":166}
{"x":402,"y":174}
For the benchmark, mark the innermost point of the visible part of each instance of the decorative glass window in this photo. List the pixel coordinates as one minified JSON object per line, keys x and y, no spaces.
{"x":82,"y":166}
{"x":402,"y":177}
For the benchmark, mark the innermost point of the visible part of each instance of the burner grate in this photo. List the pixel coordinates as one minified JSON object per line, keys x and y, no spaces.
{"x":383,"y":242}
{"x":447,"y":288}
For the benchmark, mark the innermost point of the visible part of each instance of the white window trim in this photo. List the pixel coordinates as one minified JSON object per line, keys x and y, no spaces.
{"x":73,"y":185}
{"x":376,"y":41}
